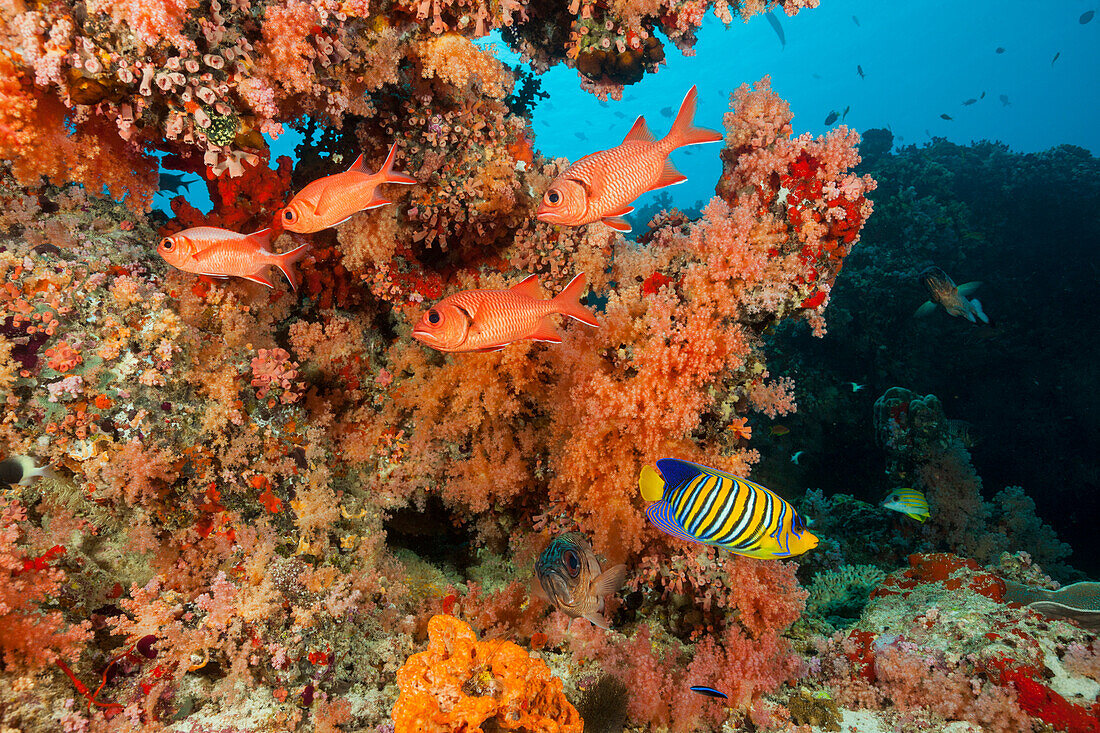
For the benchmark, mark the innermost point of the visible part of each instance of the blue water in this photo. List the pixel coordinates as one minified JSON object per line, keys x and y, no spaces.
{"x":909,"y":82}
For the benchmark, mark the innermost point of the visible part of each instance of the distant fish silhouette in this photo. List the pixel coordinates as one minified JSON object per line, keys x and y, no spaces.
{"x":845,"y":114}
{"x":666,"y":111}
{"x":969,"y":102}
{"x":1000,"y":49}
{"x":580,"y":135}
{"x":856,"y":21}
{"x":946,"y":117}
{"x":982,"y":96}
{"x":1086,"y":16}
{"x":173,"y":182}
{"x":833,"y":116}
{"x":1004,"y":100}
{"x":603,"y":104}
{"x":1055,"y":58}
{"x":619,"y":114}
{"x":779,"y":29}
{"x":817,"y":76}
{"x":630,"y":98}
{"x":860,"y":70}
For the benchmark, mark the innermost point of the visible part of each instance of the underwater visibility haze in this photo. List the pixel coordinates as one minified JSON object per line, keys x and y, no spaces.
{"x":549,"y":366}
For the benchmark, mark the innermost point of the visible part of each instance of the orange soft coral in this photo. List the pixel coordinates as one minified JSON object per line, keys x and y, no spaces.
{"x":460,"y":683}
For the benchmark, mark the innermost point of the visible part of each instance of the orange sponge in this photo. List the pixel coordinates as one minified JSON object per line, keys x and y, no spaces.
{"x":458,"y":683}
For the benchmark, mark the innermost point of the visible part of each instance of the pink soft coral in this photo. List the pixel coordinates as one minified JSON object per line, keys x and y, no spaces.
{"x":29,"y":636}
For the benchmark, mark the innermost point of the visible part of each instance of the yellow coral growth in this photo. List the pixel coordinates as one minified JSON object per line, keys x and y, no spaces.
{"x":460,"y":683}
{"x":454,"y":60}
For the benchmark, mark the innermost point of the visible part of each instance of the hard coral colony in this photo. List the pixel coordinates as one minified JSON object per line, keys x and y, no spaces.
{"x":230,"y":508}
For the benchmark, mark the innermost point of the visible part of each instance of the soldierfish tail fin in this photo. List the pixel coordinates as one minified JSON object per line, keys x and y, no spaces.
{"x":285,"y":262}
{"x":390,"y":175}
{"x":977,"y":306}
{"x":568,"y":302}
{"x":683,"y":130}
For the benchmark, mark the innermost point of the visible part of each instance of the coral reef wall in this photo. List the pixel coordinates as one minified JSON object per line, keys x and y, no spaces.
{"x":1016,"y":222}
{"x":257,"y":499}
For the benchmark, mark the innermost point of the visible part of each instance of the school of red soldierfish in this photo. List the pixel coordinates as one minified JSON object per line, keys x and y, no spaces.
{"x":598,"y":187}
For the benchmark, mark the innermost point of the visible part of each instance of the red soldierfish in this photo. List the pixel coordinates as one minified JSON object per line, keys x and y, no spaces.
{"x":489,"y":320}
{"x":600,"y":187}
{"x":334,"y":199}
{"x":218,"y":252}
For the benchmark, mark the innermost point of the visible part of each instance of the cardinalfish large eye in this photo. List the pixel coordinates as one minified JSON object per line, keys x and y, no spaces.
{"x":553,"y":197}
{"x":572,"y":563}
{"x":433,"y":317}
{"x":167,"y":244}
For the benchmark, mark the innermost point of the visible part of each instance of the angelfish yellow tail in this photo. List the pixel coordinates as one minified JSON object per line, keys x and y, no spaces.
{"x":651,"y":484}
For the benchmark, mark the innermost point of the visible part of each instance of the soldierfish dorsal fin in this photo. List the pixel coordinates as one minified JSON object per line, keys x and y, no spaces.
{"x":262,"y":237}
{"x":640,"y":132}
{"x":360,"y":166}
{"x":528,"y":286}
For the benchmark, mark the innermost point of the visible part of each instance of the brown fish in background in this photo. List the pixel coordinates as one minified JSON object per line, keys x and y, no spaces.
{"x":568,"y":576}
{"x":952,"y":297}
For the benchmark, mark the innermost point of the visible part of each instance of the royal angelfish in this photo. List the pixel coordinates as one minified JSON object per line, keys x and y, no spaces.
{"x":952,"y":297}
{"x":909,"y":502}
{"x":568,"y":576}
{"x":701,"y":504}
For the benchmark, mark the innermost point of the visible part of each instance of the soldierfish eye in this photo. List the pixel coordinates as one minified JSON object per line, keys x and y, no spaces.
{"x":434,"y":317}
{"x":572,"y":563}
{"x":553,"y":196}
{"x":166,"y":244}
{"x":290,"y":215}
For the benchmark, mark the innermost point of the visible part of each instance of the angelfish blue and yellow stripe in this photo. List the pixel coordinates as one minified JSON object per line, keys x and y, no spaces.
{"x":701,"y":504}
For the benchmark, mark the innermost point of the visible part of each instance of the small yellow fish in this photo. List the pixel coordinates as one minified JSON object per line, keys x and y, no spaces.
{"x":909,"y":502}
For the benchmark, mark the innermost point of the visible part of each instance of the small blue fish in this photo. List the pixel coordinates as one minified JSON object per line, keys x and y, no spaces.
{"x":709,"y":691}
{"x":796,"y":457}
{"x":833,"y":117}
{"x":705,"y":505}
{"x":909,"y":502}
